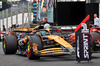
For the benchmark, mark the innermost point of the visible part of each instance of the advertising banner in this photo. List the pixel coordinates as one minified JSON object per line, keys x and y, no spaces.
{"x":43,"y":10}
{"x":83,"y":47}
{"x":35,"y":10}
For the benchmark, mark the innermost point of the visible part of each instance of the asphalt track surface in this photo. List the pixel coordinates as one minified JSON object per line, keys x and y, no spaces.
{"x":68,"y":60}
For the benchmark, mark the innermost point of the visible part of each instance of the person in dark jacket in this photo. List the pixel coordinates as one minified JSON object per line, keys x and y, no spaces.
{"x":4,"y":29}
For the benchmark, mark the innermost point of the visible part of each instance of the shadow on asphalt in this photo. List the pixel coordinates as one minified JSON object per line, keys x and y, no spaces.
{"x":85,"y":62}
{"x":62,"y":58}
{"x":56,"y":58}
{"x":21,"y":55}
{"x":94,"y":57}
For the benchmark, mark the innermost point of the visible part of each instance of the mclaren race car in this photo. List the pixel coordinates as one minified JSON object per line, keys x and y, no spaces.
{"x":37,"y":43}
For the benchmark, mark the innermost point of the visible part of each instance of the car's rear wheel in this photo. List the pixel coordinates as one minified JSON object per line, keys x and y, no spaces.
{"x":93,"y":36}
{"x":34,"y":44}
{"x":0,"y":38}
{"x":9,"y":44}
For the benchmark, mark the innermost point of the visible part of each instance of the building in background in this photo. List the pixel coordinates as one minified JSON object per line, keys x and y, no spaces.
{"x":70,"y":0}
{"x":19,"y":0}
{"x":5,"y":5}
{"x":13,"y":0}
{"x":93,"y":1}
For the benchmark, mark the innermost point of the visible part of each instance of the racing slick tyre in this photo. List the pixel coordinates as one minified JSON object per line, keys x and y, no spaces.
{"x":93,"y":36}
{"x":0,"y":39}
{"x":32,"y":53}
{"x":9,"y":44}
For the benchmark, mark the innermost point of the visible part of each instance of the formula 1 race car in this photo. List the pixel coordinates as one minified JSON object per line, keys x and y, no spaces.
{"x":94,"y":39}
{"x":35,"y":43}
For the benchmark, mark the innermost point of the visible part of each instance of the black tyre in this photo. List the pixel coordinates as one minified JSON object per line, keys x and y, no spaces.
{"x":29,"y":48}
{"x":93,"y":36}
{"x":0,"y":38}
{"x":9,"y":44}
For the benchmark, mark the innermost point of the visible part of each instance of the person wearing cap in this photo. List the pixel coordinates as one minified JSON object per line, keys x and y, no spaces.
{"x":47,"y":25}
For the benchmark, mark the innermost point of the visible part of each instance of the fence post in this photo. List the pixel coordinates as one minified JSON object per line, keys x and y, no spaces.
{"x":39,"y":10}
{"x":23,"y":16}
{"x":0,"y":20}
{"x":30,"y":9}
{"x":3,"y":17}
{"x":11,"y":14}
{"x":7,"y":19}
{"x":28,"y":17}
{"x":17,"y":13}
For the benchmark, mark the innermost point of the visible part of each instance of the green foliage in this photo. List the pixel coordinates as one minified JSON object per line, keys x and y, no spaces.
{"x":3,"y":0}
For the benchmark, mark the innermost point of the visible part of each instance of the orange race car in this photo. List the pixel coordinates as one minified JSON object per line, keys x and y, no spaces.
{"x":35,"y":44}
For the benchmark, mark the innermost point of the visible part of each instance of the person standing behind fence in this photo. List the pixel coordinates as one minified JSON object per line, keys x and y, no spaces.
{"x":96,"y":21}
{"x":4,"y":29}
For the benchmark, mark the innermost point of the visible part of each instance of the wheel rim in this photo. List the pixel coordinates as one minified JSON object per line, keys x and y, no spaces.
{"x":28,"y":49}
{"x":4,"y":46}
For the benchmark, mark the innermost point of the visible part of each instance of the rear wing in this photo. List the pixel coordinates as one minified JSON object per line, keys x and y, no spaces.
{"x":69,"y":28}
{"x":27,"y":30}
